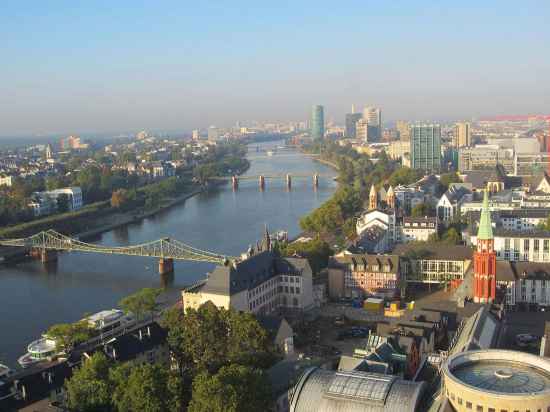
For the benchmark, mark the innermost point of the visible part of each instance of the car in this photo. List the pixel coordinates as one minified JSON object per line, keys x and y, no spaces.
{"x":339,"y":321}
{"x":526,"y":339}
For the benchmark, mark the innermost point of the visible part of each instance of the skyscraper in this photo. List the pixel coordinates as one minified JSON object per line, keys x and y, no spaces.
{"x":463,"y":135}
{"x":362,"y":130}
{"x":426,"y":147}
{"x":317,"y":122}
{"x":373,"y":115}
{"x":213,"y":133}
{"x":351,"y":120}
{"x":404,"y":130}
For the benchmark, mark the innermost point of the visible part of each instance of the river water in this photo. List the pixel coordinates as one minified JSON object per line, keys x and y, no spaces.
{"x":34,"y":297}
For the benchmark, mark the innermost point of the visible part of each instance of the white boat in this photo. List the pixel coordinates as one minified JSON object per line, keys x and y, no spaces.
{"x":270,"y":152}
{"x":4,"y":372}
{"x":108,"y":321}
{"x":40,"y":350}
{"x":105,"y":323}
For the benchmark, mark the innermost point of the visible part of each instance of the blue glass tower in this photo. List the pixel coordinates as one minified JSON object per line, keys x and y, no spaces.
{"x":318,"y":122}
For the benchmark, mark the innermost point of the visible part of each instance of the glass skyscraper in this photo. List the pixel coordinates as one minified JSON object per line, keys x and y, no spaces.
{"x":317,"y":122}
{"x":351,"y":120}
{"x":426,"y":147}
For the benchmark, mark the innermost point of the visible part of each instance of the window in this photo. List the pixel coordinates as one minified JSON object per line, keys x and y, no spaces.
{"x":459,"y":400}
{"x":292,"y":289}
{"x":297,"y":290}
{"x":468,"y":405}
{"x":479,"y":408}
{"x":295,"y":302}
{"x":286,"y":289}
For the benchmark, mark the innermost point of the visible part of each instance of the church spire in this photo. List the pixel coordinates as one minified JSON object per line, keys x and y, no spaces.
{"x":485,"y":230}
{"x":267,"y":239}
{"x":373,"y":198}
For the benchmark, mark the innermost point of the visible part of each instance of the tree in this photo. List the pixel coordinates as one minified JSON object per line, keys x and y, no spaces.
{"x":404,"y":176}
{"x":421,"y":210}
{"x":142,"y":302}
{"x":122,"y":198}
{"x":452,"y":236}
{"x":235,"y":388}
{"x":68,"y":335}
{"x":89,"y":389}
{"x":209,"y":338}
{"x":448,"y":178}
{"x":145,"y":387}
{"x":63,"y":203}
{"x":316,"y":251}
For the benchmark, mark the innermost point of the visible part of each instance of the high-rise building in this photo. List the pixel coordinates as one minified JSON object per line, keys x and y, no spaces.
{"x":362,"y":130}
{"x":426,"y":147}
{"x":404,"y":130}
{"x":196,"y":134}
{"x":485,"y":259}
{"x":317,"y":122}
{"x":373,"y":115}
{"x":351,"y":120}
{"x":213,"y":133}
{"x":463,"y":135}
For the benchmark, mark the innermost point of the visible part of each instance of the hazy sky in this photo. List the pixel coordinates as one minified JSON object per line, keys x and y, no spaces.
{"x":118,"y":65}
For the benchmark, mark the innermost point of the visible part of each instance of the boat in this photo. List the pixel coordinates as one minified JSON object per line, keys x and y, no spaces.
{"x":270,"y":152}
{"x":40,"y":350}
{"x":104,"y":323}
{"x":108,"y":321}
{"x":4,"y":372}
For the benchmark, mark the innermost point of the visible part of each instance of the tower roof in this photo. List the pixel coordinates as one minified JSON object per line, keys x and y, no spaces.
{"x":390,"y":191}
{"x":373,"y":191}
{"x":485,"y":231}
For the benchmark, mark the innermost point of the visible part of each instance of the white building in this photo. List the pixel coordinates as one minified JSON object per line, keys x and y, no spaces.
{"x":449,"y":205}
{"x":525,"y":284}
{"x":418,"y":228}
{"x":532,"y":246}
{"x":261,"y":284}
{"x":6,"y":180}
{"x":45,"y":203}
{"x":408,"y":197}
{"x":384,"y":220}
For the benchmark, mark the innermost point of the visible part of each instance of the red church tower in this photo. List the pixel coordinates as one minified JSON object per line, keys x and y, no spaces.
{"x":485,"y":259}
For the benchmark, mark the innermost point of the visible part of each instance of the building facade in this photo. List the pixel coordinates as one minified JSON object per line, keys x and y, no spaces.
{"x":367,"y":275}
{"x":481,"y":157}
{"x":532,"y":246}
{"x":426,"y":147}
{"x":351,"y":120}
{"x":404,"y":130}
{"x":485,"y":258}
{"x":463,"y":134}
{"x":261,"y":284}
{"x":418,"y":228}
{"x":317,"y":122}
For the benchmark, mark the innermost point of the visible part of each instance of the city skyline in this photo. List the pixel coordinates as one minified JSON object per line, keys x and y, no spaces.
{"x":101,"y":68}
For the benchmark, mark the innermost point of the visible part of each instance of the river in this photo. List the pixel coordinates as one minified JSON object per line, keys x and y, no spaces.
{"x":33,"y":296}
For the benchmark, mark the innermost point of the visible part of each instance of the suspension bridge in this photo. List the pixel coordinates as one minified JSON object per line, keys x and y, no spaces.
{"x":46,"y":244}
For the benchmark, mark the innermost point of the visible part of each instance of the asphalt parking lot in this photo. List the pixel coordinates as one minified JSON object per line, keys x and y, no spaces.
{"x":523,"y":322}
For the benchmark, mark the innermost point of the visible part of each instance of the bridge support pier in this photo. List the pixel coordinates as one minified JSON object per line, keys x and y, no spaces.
{"x":288,"y":182}
{"x":166,"y":266}
{"x":48,"y":255}
{"x":262,"y":182}
{"x":234,"y":182}
{"x":315,"y":181}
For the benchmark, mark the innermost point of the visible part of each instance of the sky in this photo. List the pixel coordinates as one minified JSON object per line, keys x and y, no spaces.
{"x":99,"y":66}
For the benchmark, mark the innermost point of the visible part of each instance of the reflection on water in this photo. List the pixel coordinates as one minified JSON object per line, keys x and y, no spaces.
{"x":226,"y":222}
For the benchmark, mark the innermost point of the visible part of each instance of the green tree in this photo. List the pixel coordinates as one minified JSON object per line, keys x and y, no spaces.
{"x":447,"y":178}
{"x":89,"y":389}
{"x":142,"y":302}
{"x":422,"y":209}
{"x":68,"y":335}
{"x":235,"y":388}
{"x":63,"y":203}
{"x":404,"y":176}
{"x":316,"y":251}
{"x":208,"y":338}
{"x":148,"y":388}
{"x":452,"y":236}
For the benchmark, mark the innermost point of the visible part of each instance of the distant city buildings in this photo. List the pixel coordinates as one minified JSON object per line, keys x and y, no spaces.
{"x":373,"y":116}
{"x":196,"y":134}
{"x":404,"y":130}
{"x":426,"y":147}
{"x":463,"y":134}
{"x":317,"y":122}
{"x":351,"y":120}
{"x":213,"y":133}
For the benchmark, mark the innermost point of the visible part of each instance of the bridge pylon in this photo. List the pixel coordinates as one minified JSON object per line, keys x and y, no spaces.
{"x":166,"y":266}
{"x":315,"y":181}
{"x":234,"y":182}
{"x":288,"y":182}
{"x":262,"y":182}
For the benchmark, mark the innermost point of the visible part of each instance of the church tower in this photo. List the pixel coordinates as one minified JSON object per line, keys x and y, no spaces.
{"x":485,"y":258}
{"x":373,"y":198}
{"x":390,"y":198}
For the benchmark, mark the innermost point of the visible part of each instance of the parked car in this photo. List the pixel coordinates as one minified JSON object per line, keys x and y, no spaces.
{"x":526,"y":339}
